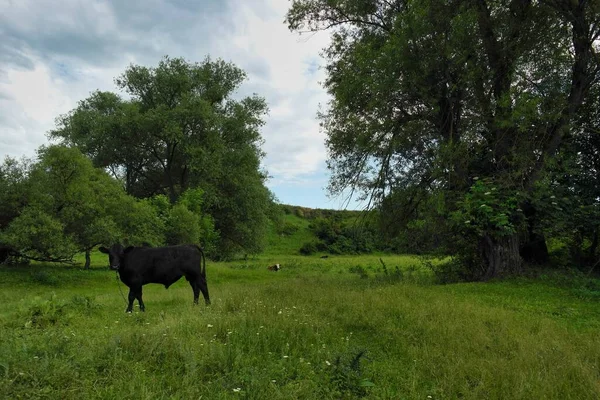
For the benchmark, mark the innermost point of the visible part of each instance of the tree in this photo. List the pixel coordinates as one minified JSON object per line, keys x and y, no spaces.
{"x":181,"y":129}
{"x":430,"y":95}
{"x":13,"y":188}
{"x":569,"y":194}
{"x":71,"y":207}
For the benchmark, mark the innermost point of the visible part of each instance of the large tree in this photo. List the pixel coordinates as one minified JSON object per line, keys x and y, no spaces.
{"x":181,"y":128}
{"x":468,"y":98}
{"x":68,"y":206}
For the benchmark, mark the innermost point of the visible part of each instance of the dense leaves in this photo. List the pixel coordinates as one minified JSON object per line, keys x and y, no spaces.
{"x":181,"y":128}
{"x":429,"y":95}
{"x":69,"y":206}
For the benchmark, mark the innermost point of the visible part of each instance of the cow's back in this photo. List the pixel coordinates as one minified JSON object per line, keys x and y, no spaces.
{"x":164,"y":265}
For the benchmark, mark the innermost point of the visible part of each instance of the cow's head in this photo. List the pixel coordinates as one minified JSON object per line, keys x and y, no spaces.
{"x":116,"y":254}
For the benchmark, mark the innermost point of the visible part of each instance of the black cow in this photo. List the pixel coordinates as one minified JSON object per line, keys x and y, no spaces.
{"x":138,"y":266}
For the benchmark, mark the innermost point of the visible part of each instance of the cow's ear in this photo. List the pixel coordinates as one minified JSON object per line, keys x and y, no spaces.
{"x":128,"y":249}
{"x":103,"y":250}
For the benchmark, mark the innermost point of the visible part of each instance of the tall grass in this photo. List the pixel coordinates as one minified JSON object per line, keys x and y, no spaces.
{"x":318,"y":329}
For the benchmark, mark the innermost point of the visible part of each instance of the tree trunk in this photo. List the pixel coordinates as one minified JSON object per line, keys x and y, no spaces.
{"x":593,"y":246}
{"x":87,"y":260}
{"x":533,"y":246}
{"x":534,"y":249}
{"x":500,"y":256}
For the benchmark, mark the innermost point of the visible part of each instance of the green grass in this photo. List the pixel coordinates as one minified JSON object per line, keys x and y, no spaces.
{"x":281,"y":243}
{"x":319,"y":329}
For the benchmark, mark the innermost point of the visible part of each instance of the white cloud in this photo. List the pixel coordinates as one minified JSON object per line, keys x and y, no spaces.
{"x":84,"y":45}
{"x":293,"y":141}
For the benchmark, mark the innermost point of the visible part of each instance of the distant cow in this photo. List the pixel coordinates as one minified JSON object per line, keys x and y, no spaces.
{"x":138,"y":266}
{"x":275,"y":267}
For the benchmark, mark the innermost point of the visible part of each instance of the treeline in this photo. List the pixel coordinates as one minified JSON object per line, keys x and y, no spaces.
{"x":361,"y":232}
{"x":176,"y":161}
{"x":334,"y":231}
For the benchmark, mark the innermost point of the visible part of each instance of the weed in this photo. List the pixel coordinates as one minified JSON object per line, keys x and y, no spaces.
{"x":346,"y":376}
{"x":45,"y":313}
{"x":359,"y":270}
{"x":84,"y":304}
{"x":44,"y":278}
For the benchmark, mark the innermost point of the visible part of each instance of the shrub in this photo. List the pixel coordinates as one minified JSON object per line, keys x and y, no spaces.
{"x":286,"y":228}
{"x":312,"y":247}
{"x":183,"y":226}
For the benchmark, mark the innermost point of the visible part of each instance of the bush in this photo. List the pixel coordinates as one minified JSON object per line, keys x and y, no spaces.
{"x":37,"y":235}
{"x":286,"y":228}
{"x":312,"y":247}
{"x":183,"y":226}
{"x":44,"y":278}
{"x":140,"y":222}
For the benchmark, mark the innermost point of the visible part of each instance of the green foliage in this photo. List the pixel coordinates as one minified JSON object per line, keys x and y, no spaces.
{"x":181,"y":223}
{"x":414,"y":221}
{"x":66,"y":185}
{"x":427,"y":95}
{"x":488,"y":211}
{"x":182,"y":226}
{"x":312,"y":247}
{"x":140,"y":223}
{"x":71,"y":207}
{"x":39,"y":236}
{"x":287,"y":229}
{"x":567,"y":197}
{"x":346,"y":375}
{"x":182,"y":129}
{"x":13,"y":185}
{"x":340,"y":237}
{"x":42,"y":314}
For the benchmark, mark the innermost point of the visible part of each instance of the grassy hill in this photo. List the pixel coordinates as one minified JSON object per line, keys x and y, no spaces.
{"x":287,"y":235}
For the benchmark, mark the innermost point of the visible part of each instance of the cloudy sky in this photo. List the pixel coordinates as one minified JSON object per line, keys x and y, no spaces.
{"x":56,"y":52}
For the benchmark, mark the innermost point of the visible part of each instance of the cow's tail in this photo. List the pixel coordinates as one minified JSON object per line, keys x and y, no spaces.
{"x":202,"y":261}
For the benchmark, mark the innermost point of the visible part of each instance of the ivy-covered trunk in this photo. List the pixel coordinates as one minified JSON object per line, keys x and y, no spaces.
{"x":500,"y":256}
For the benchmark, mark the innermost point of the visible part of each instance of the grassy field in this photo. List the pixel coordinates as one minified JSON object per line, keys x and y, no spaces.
{"x":319,"y":329}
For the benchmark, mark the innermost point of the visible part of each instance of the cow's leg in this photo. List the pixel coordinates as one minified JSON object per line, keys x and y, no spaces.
{"x":132,"y":293}
{"x":196,"y":290}
{"x":139,"y":299}
{"x":204,"y":288}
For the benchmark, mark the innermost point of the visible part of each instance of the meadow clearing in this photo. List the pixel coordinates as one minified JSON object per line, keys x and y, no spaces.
{"x":319,"y":329}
